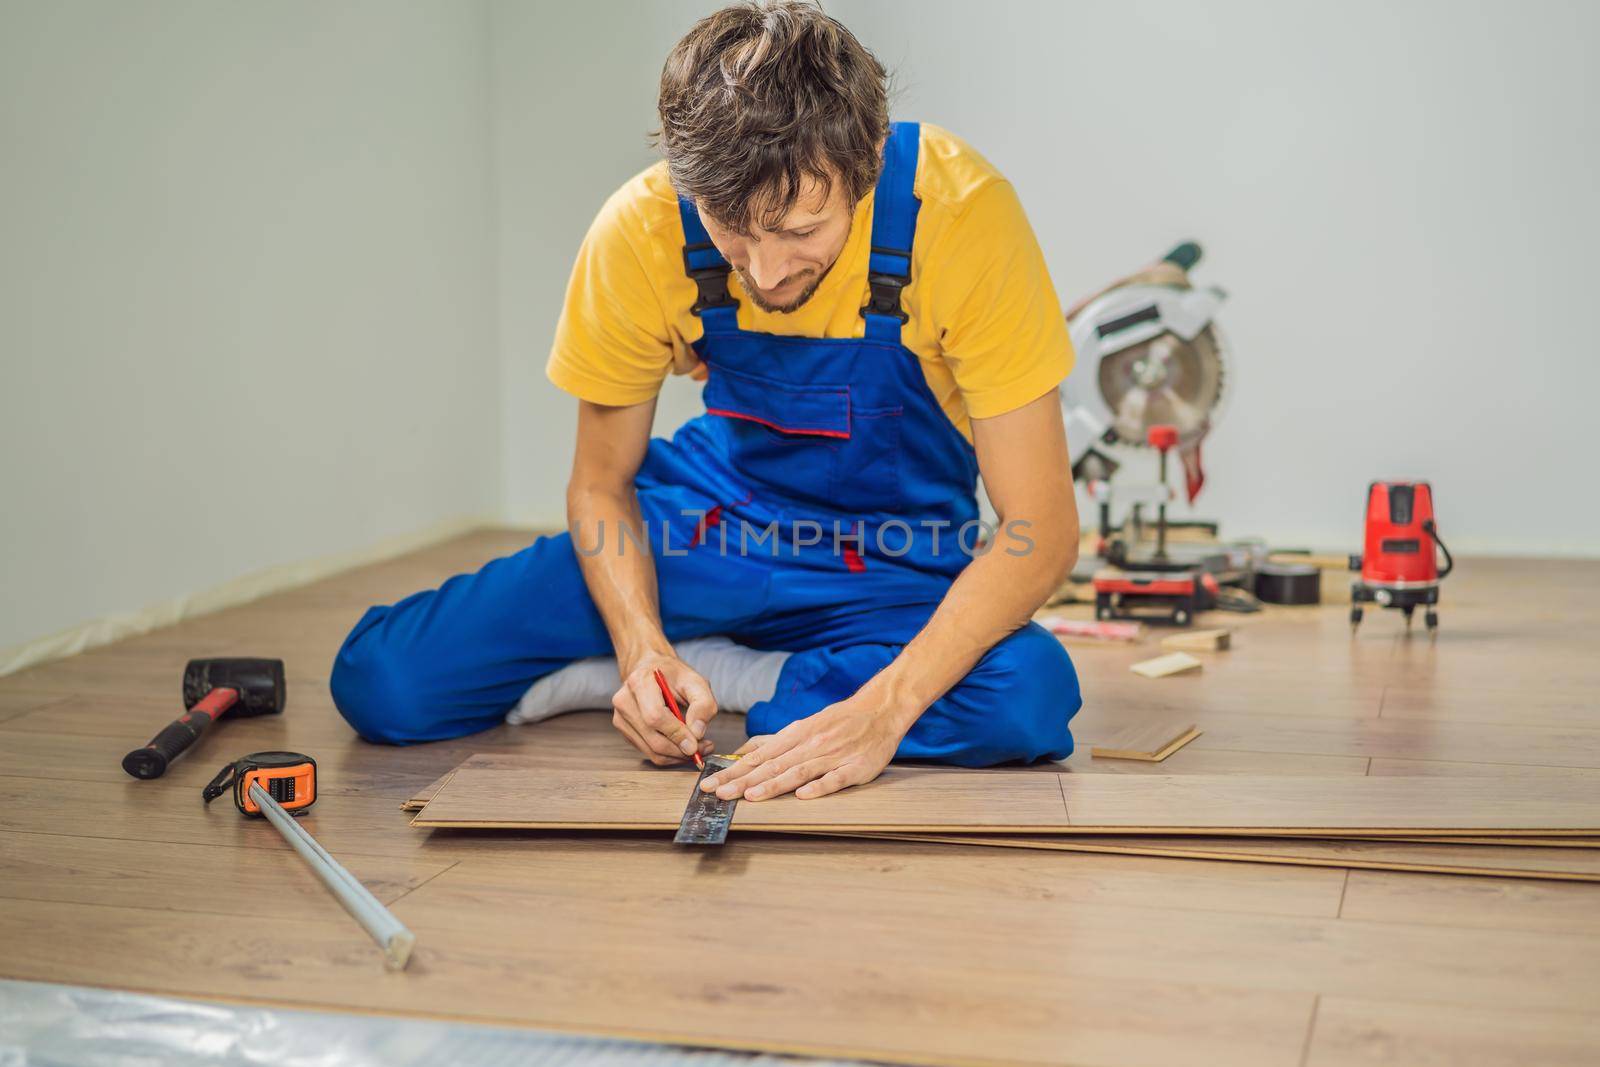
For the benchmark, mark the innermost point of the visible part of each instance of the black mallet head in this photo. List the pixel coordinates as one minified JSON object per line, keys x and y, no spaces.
{"x":259,"y":683}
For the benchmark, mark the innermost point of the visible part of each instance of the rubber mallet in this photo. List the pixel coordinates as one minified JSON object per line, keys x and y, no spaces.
{"x":212,"y":688}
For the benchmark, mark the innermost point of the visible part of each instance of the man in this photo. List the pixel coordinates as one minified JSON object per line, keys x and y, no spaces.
{"x":875,"y":326}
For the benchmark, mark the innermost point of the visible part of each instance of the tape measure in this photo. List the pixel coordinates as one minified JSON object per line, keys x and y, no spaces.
{"x":290,"y":778}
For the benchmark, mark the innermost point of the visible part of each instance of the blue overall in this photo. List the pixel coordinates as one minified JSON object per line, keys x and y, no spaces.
{"x":822,"y":506}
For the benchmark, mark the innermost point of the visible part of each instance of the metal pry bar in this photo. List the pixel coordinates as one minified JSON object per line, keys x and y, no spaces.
{"x":390,"y":933}
{"x":707,"y":817}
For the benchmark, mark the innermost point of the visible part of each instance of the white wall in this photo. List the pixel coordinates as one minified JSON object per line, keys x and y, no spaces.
{"x":246,"y":291}
{"x":575,"y":94}
{"x":1399,"y":197}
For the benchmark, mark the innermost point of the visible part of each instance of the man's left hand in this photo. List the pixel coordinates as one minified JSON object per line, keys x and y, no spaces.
{"x":844,"y":744}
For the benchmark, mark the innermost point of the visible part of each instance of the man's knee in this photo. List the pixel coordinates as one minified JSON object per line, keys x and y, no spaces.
{"x":1036,"y":695}
{"x":375,"y":687}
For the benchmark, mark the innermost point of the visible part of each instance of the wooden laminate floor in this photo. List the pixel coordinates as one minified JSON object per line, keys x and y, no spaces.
{"x":893,"y":950}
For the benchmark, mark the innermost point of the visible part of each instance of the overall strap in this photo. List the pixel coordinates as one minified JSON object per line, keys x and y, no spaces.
{"x":894,"y":226}
{"x":717,"y":308}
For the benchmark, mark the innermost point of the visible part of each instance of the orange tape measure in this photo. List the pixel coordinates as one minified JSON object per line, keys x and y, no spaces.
{"x":290,"y":778}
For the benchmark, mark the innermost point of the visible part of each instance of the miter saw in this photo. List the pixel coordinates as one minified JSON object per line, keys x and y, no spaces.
{"x":1150,"y":361}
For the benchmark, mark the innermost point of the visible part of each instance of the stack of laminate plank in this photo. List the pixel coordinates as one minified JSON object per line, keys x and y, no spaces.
{"x":1487,"y":826}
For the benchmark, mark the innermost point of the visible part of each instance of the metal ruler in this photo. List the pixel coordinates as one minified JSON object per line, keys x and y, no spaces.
{"x":706,"y":819}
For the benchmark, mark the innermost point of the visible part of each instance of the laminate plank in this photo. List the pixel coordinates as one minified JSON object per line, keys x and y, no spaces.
{"x":1417,"y":768}
{"x":922,"y":927}
{"x":68,"y":757}
{"x":872,"y":874}
{"x":191,"y":879}
{"x":1354,"y":1032}
{"x":15,"y":702}
{"x":543,"y":969}
{"x":1375,"y":805}
{"x":1512,"y":845}
{"x":1472,"y":654}
{"x":1189,"y":760}
{"x":1503,"y":861}
{"x":997,"y":802}
{"x":1184,"y":761}
{"x":1549,"y":705}
{"x":1519,"y":842}
{"x":487,"y":798}
{"x":135,"y":813}
{"x":1401,"y":739}
{"x":87,"y":744}
{"x":135,"y":719}
{"x":1484,"y":903}
{"x":1284,"y":660}
{"x":1242,"y":691}
{"x":507,"y":761}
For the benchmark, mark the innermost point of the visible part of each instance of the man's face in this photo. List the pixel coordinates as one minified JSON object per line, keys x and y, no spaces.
{"x":780,"y":268}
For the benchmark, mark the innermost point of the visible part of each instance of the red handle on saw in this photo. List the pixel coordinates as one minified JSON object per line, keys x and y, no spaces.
{"x":1162,"y":438}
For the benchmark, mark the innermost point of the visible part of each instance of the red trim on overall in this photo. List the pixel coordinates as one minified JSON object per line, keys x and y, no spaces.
{"x":853,"y":561}
{"x":708,"y":520}
{"x":772,"y":425}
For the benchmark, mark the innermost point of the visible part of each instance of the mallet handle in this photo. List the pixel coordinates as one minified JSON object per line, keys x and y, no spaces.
{"x":176,"y":737}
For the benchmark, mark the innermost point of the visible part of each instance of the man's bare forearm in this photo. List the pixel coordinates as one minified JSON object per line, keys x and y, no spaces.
{"x":992,"y":598}
{"x":621,"y":575}
{"x":613,"y":550}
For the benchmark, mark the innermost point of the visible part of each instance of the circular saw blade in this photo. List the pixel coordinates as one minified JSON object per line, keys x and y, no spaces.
{"x":1163,"y":381}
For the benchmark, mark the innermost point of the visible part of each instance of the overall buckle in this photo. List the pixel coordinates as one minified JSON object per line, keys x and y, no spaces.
{"x":712,"y":281}
{"x":885,"y":296}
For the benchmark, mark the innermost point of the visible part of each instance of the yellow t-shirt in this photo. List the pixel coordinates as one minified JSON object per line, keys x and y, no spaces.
{"x":985,"y":321}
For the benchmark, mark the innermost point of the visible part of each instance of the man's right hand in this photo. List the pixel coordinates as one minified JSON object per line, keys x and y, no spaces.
{"x":640,"y":712}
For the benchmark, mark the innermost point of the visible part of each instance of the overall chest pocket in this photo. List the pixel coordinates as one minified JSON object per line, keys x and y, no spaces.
{"x":809,"y":443}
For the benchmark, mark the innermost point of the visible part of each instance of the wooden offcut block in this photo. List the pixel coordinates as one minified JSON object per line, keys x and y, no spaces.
{"x":1198,"y":641}
{"x":1161,"y":666}
{"x":1150,"y":741}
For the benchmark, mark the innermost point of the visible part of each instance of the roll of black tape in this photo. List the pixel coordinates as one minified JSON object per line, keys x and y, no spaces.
{"x":1288,"y":583}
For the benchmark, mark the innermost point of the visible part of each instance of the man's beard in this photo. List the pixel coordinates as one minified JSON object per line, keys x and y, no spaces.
{"x":781,"y":309}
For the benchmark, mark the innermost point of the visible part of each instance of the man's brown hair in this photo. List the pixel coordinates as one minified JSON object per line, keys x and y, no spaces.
{"x":762,"y":95}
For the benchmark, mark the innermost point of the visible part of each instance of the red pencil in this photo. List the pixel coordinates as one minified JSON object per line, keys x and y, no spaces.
{"x":672,"y":702}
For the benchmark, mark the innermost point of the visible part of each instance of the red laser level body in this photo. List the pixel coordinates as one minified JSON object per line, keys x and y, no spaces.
{"x":1399,"y":563}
